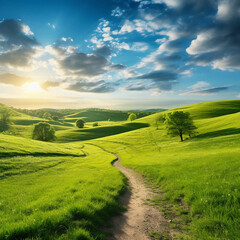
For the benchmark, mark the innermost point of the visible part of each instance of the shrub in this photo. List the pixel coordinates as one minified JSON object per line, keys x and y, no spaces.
{"x":132,"y":117}
{"x":5,"y":121}
{"x":44,"y":132}
{"x":95,"y":124}
{"x":55,"y":118}
{"x":80,"y":123}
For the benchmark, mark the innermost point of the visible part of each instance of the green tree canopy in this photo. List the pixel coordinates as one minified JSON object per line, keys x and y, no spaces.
{"x":44,"y":132}
{"x":132,"y":117}
{"x":80,"y":123}
{"x":5,"y":119}
{"x":179,"y":123}
{"x":47,"y":115}
{"x":55,"y":118}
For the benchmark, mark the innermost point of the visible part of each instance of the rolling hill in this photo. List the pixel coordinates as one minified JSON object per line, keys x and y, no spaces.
{"x":198,"y":179}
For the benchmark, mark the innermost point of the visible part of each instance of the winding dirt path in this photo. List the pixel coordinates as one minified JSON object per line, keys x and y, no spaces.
{"x":140,"y":219}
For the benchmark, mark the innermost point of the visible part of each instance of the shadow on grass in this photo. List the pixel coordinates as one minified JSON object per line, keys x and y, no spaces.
{"x":224,"y":132}
{"x":98,"y":132}
{"x":38,"y":154}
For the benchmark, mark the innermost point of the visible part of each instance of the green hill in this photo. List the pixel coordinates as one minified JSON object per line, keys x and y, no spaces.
{"x":93,"y":115}
{"x":199,"y":178}
{"x":75,"y":134}
{"x":212,"y":109}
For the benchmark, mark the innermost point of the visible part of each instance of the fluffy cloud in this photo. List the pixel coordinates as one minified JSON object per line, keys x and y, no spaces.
{"x":158,"y":80}
{"x":218,"y":45}
{"x":18,"y":47}
{"x":92,"y":87}
{"x":83,"y":71}
{"x":83,"y":65}
{"x":117,"y":12}
{"x":12,"y":79}
{"x":104,"y":50}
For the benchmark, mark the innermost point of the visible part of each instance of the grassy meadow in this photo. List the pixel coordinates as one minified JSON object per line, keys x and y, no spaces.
{"x":200,"y":177}
{"x":69,"y":194}
{"x":68,"y":189}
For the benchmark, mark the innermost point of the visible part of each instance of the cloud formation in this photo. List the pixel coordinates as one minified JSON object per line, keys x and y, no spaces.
{"x":49,"y":84}
{"x":206,"y":91}
{"x":158,"y":80}
{"x":91,"y":87}
{"x":12,"y":79}
{"x":218,"y":45}
{"x":18,"y":47}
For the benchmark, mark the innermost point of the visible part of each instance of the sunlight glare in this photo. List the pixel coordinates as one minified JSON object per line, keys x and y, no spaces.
{"x":32,"y":87}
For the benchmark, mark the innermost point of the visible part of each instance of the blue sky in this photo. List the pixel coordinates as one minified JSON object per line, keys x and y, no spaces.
{"x":118,"y":54}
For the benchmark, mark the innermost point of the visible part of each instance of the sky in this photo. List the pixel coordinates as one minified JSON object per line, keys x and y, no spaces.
{"x":131,"y":54}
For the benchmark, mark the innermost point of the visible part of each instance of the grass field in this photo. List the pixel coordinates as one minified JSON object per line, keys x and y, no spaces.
{"x":68,"y":190}
{"x":69,"y":194}
{"x":203,"y":172}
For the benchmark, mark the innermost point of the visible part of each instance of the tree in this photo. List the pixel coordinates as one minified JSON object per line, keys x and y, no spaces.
{"x":5,"y":120}
{"x":132,"y":117}
{"x":80,"y":123}
{"x":55,"y":118}
{"x":179,"y":123}
{"x":47,"y":115}
{"x":44,"y":132}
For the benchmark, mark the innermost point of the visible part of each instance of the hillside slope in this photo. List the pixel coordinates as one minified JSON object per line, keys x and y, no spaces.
{"x":199,"y":177}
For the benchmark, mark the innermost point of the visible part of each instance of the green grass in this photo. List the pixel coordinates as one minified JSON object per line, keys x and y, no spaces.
{"x":58,"y":197}
{"x":203,"y":172}
{"x":76,"y":134}
{"x":92,"y":115}
{"x":66,"y":191}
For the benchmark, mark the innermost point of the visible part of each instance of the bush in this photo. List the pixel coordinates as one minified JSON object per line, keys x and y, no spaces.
{"x":44,"y":132}
{"x":5,"y":121}
{"x":47,"y":115}
{"x":95,"y":124}
{"x":132,"y":117}
{"x":80,"y":123}
{"x":55,"y":118}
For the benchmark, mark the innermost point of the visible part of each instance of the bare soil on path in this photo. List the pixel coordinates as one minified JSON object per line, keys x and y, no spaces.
{"x":140,"y":219}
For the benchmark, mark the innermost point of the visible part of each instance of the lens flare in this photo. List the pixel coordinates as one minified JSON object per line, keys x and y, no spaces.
{"x":32,"y":87}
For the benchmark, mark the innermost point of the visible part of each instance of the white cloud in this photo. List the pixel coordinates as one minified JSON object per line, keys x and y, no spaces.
{"x":201,"y":43}
{"x":117,"y":12}
{"x":199,"y":85}
{"x":128,"y":26}
{"x":53,"y":26}
{"x":139,"y":46}
{"x":26,"y":29}
{"x":161,"y":40}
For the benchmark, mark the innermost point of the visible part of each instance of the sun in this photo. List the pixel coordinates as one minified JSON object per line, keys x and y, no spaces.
{"x":32,"y":87}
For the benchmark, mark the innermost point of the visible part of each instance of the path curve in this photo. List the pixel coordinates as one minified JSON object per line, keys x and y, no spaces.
{"x":140,"y":219}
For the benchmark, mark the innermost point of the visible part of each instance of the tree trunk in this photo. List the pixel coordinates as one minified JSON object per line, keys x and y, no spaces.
{"x":181,"y":137}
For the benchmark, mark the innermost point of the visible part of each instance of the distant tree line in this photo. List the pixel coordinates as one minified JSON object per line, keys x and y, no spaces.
{"x":43,"y":113}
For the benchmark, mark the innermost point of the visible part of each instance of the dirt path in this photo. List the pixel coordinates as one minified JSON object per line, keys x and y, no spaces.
{"x":140,"y":219}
